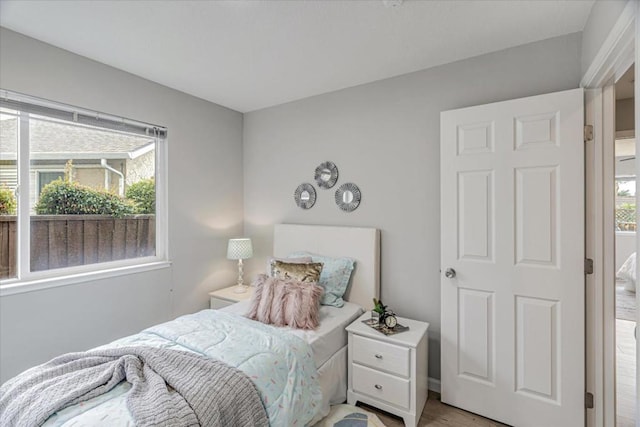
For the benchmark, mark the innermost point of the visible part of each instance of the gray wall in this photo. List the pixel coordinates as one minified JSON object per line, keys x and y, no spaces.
{"x":205,"y":208}
{"x":385,"y":137}
{"x":625,"y":119}
{"x":602,"y":17}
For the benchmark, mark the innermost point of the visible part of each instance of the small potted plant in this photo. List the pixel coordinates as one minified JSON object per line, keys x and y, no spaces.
{"x":378,"y":311}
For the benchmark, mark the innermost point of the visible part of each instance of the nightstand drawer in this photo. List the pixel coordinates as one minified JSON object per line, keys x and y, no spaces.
{"x":381,"y":355}
{"x":382,"y":386}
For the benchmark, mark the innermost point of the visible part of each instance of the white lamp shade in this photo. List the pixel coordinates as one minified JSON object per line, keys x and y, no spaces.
{"x":239,"y":249}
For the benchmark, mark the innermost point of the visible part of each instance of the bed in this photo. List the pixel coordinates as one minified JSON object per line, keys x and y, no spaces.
{"x":223,"y":335}
{"x":627,"y":273}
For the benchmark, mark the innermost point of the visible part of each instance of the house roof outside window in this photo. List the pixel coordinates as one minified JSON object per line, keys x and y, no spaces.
{"x":53,"y":140}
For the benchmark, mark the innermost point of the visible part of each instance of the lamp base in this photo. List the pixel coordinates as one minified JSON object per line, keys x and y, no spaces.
{"x":240,"y":289}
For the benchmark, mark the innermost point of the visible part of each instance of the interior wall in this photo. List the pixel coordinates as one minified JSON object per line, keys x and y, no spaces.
{"x":205,"y":208}
{"x":625,"y":117}
{"x":385,"y":137}
{"x":602,"y":18}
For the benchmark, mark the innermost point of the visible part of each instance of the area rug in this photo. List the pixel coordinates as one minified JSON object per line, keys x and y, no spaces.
{"x":349,"y":416}
{"x":625,"y":303}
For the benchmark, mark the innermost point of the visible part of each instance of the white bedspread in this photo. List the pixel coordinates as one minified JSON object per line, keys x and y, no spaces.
{"x":201,"y":332}
{"x":628,"y":272}
{"x":280,"y":365}
{"x":330,"y":336}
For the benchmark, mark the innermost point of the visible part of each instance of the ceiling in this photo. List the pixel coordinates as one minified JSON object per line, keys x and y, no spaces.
{"x":248,"y":55}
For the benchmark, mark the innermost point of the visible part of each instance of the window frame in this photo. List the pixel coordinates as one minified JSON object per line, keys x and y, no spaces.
{"x":27,"y":280}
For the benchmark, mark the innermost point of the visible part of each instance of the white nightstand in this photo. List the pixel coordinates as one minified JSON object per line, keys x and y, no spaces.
{"x":224,"y":297}
{"x":389,"y":372}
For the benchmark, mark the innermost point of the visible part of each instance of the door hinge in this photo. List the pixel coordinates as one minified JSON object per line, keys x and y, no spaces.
{"x":588,"y":400}
{"x":588,"y":266}
{"x":588,"y":133}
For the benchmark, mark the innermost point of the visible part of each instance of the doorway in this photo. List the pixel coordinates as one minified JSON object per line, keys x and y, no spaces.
{"x":617,"y":54}
{"x":625,"y":250}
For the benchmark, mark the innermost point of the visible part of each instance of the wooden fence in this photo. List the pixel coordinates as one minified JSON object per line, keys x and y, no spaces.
{"x":69,"y":240}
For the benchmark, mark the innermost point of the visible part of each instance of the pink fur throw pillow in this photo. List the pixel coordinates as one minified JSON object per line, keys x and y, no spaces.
{"x":285,"y":302}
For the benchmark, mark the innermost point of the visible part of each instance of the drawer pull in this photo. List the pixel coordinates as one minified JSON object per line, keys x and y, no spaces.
{"x":378,"y":386}
{"x":378,"y":356}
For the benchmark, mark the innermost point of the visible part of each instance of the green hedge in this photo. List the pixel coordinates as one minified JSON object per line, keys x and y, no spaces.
{"x":143,"y":195}
{"x":7,"y":201}
{"x":69,"y":198}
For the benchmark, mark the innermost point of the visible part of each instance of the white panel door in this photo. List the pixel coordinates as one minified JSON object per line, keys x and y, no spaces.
{"x":512,"y":199}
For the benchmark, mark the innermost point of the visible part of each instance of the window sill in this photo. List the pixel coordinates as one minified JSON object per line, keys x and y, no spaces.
{"x":18,"y":287}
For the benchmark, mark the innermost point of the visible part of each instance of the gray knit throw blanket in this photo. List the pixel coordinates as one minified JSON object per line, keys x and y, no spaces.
{"x":169,"y":388}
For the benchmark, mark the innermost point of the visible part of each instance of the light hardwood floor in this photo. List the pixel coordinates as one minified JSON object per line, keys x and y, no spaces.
{"x":625,"y":374}
{"x":437,"y":414}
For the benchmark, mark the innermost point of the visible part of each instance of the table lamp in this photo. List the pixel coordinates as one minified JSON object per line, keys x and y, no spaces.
{"x":239,"y":249}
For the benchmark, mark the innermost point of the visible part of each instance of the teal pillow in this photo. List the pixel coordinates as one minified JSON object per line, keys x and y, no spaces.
{"x":334,"y":278}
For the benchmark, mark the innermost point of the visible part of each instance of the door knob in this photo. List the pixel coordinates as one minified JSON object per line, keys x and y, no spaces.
{"x":450,"y":273}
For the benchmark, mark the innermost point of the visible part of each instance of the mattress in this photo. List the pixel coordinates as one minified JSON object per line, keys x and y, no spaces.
{"x":328,"y":338}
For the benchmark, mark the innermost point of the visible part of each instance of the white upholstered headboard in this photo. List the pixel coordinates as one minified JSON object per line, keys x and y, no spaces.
{"x":359,"y":243}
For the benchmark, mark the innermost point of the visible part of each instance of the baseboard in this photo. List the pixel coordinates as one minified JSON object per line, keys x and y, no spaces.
{"x":434,"y":384}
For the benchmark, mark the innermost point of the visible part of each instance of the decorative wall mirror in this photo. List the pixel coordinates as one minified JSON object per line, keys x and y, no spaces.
{"x":348,"y":197}
{"x":326,"y":175}
{"x":305,"y":196}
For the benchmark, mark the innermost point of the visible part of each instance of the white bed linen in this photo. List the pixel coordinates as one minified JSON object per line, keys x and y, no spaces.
{"x":333,"y":382}
{"x":627,"y":272}
{"x":328,"y":338}
{"x":329,"y":345}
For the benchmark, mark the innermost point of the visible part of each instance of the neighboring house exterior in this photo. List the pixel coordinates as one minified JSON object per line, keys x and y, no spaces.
{"x":101,"y":158}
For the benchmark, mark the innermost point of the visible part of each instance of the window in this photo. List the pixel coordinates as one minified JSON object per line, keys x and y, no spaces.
{"x":626,"y":203}
{"x":77,"y":191}
{"x":625,"y":182}
{"x":45,"y":178}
